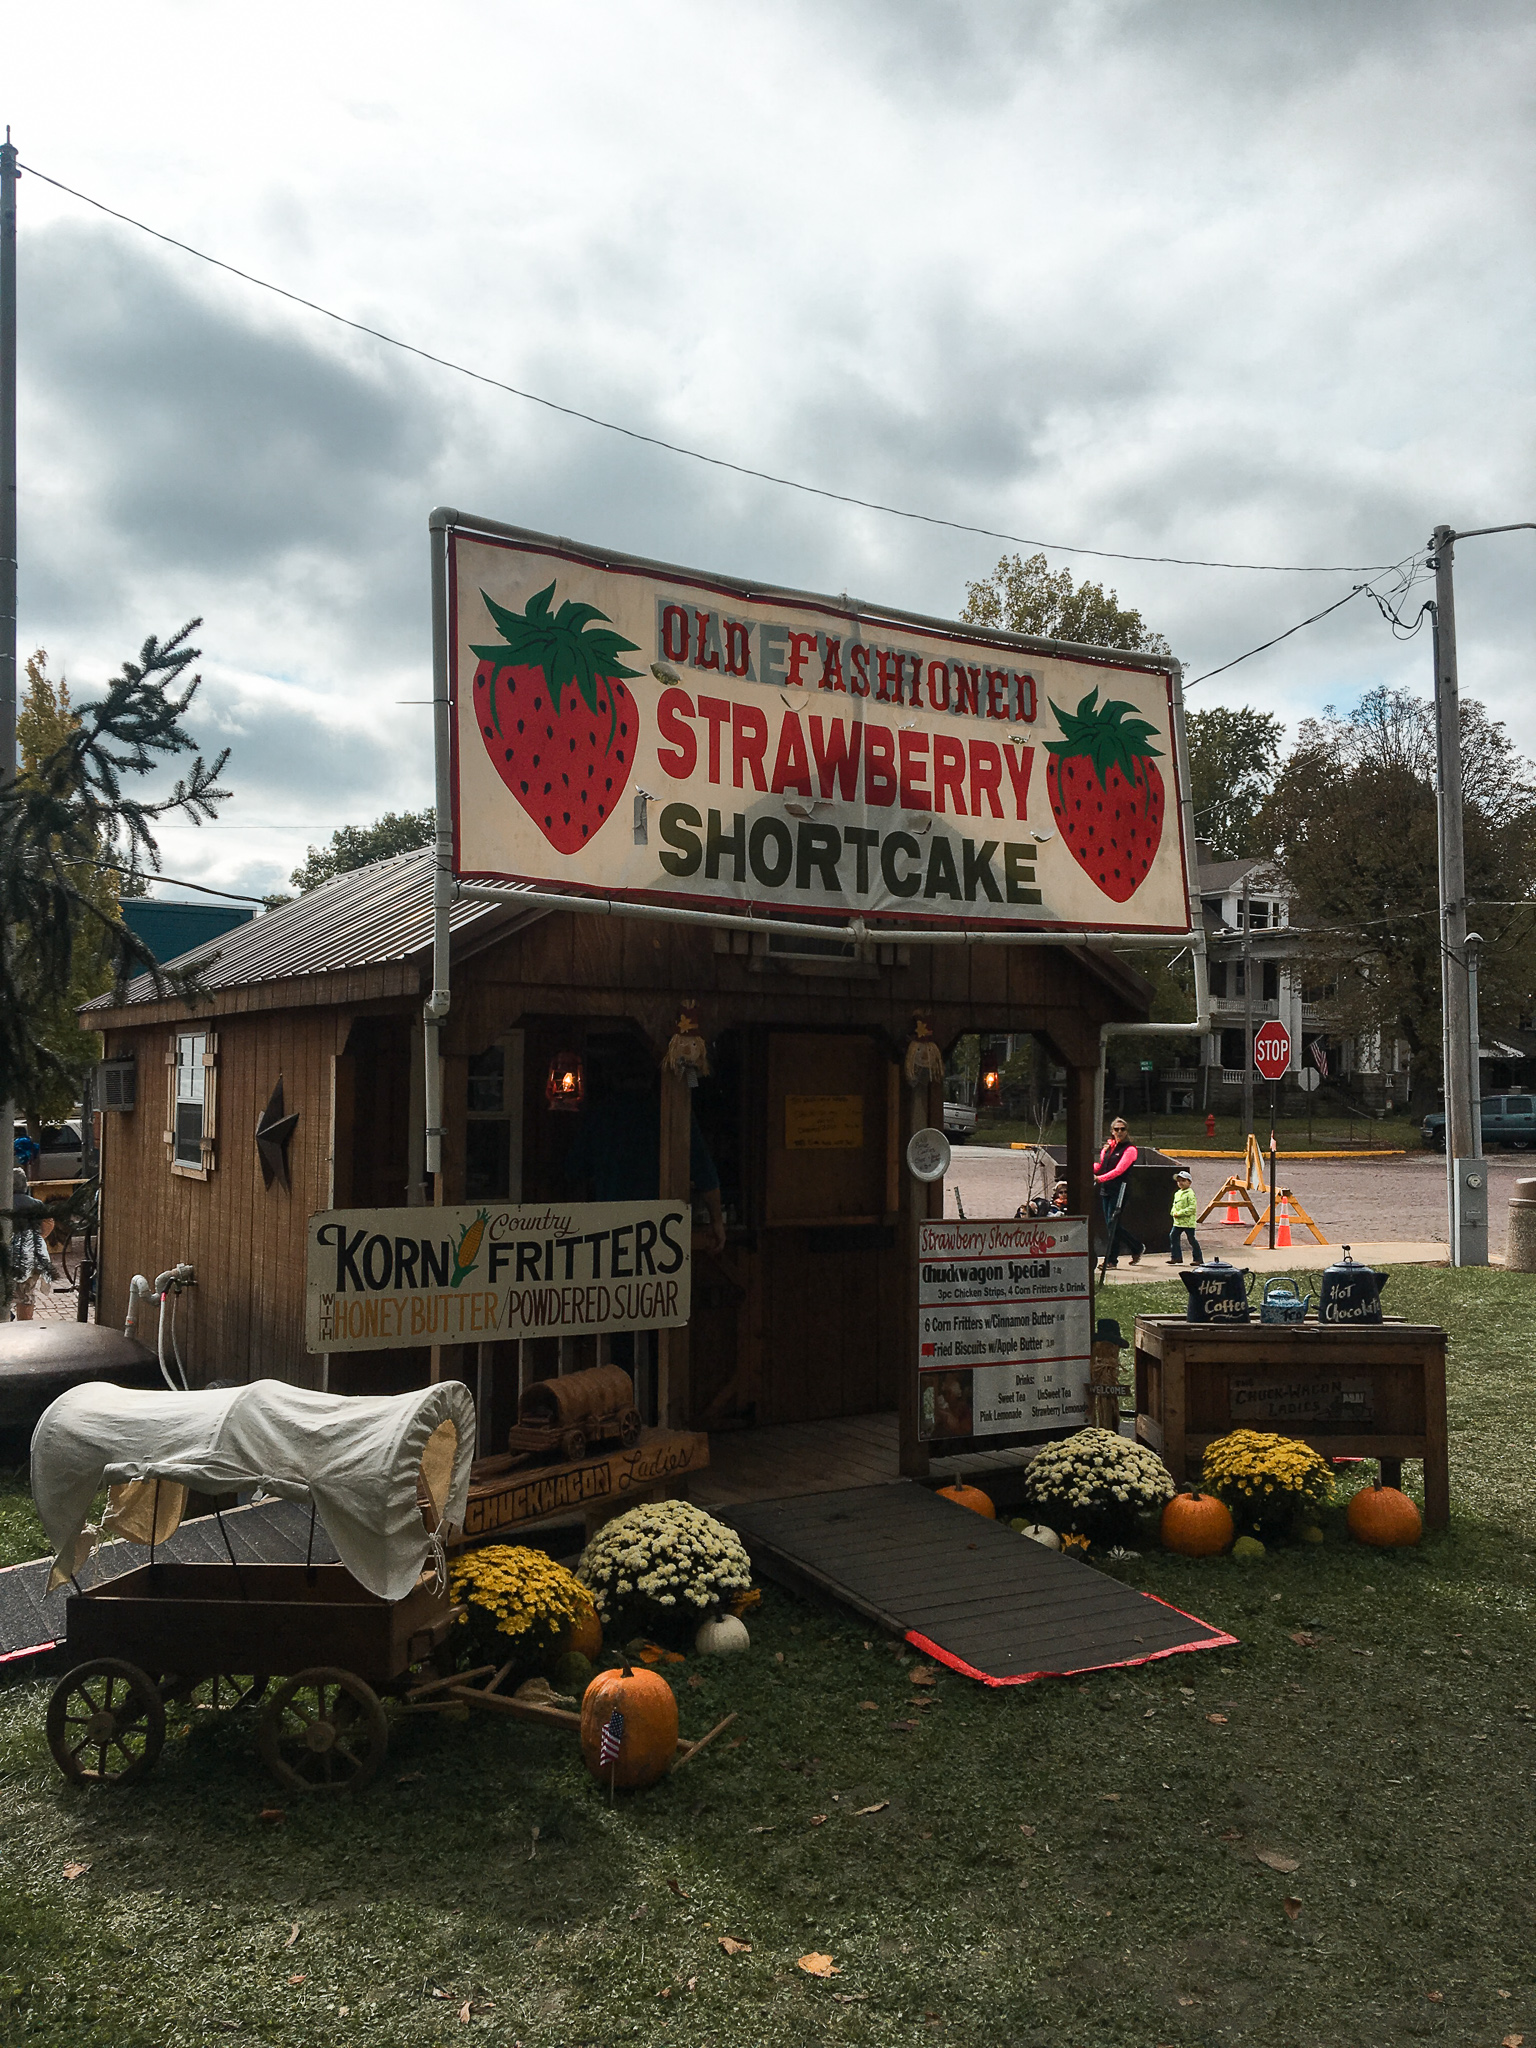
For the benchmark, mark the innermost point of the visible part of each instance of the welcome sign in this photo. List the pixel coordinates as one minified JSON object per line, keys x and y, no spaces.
{"x":385,"y":1279}
{"x":637,"y":732}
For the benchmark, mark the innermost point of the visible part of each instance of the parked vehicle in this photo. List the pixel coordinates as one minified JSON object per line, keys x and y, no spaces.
{"x":959,"y":1121}
{"x":1507,"y":1120}
{"x":62,"y":1147}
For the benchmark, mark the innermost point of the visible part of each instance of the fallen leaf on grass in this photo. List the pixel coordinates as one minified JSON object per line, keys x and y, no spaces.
{"x":1513,"y":2041}
{"x":293,"y":1935}
{"x":854,"y":1998}
{"x":1220,"y":1720}
{"x":674,"y":1887}
{"x":879,"y":1807}
{"x":74,"y":1870}
{"x":733,"y":1947}
{"x":817,"y":1819}
{"x":1025,"y":1828}
{"x":767,"y":1829}
{"x":1435,"y":1997}
{"x":1189,"y":2001}
{"x":272,"y":1815}
{"x":922,"y":1674}
{"x":410,"y":1777}
{"x":901,"y":1727}
{"x":868,"y":1707}
{"x":815,"y":1965}
{"x":1303,"y":1638}
{"x":694,"y":1679}
{"x":778,"y":1656}
{"x":1231,"y":1835}
{"x":297,"y":1979}
{"x":1109,"y":1795}
{"x":464,"y":2014}
{"x":1292,"y":1908}
{"x":1275,"y":1861}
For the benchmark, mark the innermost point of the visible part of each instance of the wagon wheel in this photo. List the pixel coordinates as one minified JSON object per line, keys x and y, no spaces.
{"x":220,"y":1694}
{"x":629,"y":1428}
{"x":323,"y":1730}
{"x":573,"y":1442}
{"x":106,"y":1723}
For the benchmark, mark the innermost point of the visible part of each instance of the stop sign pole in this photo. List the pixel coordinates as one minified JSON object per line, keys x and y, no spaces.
{"x":1272,"y":1056}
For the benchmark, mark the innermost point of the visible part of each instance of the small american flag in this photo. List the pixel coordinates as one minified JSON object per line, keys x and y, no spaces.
{"x":1319,"y":1056}
{"x":613,"y":1736}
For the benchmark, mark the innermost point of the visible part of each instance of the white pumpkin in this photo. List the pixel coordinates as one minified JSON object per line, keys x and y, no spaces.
{"x":1037,"y":1532}
{"x":722,"y":1635}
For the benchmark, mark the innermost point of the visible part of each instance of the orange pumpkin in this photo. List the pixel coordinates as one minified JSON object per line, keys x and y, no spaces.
{"x":1384,"y":1517}
{"x":586,"y":1634}
{"x":649,"y":1739}
{"x":1196,"y":1525}
{"x":970,"y":1497}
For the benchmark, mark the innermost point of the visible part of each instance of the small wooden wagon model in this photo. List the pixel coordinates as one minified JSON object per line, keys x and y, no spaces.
{"x":566,"y":1417}
{"x":334,"y":1636}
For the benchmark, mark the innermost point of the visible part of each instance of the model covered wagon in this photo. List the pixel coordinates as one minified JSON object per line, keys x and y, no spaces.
{"x":333,"y":1636}
{"x":566,"y":1417}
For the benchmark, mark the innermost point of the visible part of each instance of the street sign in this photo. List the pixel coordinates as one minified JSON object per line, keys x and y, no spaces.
{"x":1308,"y":1078}
{"x":1272,"y":1050}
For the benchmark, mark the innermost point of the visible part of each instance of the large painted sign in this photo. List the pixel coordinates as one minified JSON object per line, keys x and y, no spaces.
{"x":1005,"y":1333}
{"x":386,"y":1279}
{"x":638,"y":733}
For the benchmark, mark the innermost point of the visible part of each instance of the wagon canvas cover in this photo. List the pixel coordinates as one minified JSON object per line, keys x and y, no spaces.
{"x":357,"y":1460}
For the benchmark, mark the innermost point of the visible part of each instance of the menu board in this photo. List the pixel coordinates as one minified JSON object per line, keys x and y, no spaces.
{"x":1005,"y":1326}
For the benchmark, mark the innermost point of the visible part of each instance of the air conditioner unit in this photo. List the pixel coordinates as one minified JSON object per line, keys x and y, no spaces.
{"x":116,"y":1084}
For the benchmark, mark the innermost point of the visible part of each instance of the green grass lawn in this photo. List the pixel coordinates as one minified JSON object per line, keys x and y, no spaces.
{"x":1181,"y":1133}
{"x":1072,"y":1864}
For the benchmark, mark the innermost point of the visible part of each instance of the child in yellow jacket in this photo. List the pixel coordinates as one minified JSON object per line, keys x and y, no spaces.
{"x":1184,"y":1214}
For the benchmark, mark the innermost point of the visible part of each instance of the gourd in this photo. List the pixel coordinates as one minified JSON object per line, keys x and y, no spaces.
{"x":721,"y":1635}
{"x":649,"y":1741}
{"x":572,"y":1672}
{"x":586,"y":1633}
{"x":1248,"y":1549}
{"x":1041,"y":1533}
{"x":1385,"y":1517}
{"x":1196,"y":1525}
{"x":970,"y":1497}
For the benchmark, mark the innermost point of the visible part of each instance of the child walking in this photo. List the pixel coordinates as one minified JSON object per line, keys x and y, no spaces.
{"x":1183,"y":1222}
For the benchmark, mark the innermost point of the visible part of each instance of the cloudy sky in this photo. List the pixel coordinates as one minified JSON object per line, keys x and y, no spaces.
{"x":1250,"y":282}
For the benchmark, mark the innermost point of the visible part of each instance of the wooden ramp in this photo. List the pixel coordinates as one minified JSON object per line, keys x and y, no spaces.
{"x":969,"y":1592}
{"x":273,"y":1532}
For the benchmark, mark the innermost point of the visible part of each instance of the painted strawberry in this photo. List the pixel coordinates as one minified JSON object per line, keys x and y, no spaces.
{"x":1107,"y":793}
{"x":557,"y":721}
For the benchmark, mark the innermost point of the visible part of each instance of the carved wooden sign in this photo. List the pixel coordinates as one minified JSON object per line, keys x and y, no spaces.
{"x":504,"y":1500}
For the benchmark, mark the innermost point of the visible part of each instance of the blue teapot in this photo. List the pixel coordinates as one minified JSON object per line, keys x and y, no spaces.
{"x":1282,"y":1304}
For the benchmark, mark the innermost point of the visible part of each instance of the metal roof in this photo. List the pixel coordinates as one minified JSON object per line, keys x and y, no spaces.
{"x":364,"y":918}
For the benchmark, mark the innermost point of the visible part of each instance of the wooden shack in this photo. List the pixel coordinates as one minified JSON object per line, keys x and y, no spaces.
{"x":805,"y":1108}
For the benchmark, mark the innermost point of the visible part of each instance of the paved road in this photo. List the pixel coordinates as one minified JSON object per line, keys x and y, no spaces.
{"x":1355,"y":1201}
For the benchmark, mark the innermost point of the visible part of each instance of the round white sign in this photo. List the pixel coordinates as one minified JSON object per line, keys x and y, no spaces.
{"x":928,"y":1154}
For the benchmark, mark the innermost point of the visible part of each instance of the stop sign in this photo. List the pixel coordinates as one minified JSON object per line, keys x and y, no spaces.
{"x":1272,"y":1051}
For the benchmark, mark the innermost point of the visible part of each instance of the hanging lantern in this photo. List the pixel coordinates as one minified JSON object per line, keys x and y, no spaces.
{"x":566,"y":1084}
{"x":989,"y":1087}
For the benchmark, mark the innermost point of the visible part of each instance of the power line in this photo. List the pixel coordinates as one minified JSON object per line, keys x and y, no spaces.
{"x":1275,"y":642}
{"x":697,"y":455}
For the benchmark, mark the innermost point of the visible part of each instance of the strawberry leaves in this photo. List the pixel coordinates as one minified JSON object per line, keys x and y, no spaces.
{"x":566,"y":647}
{"x":1109,"y":735}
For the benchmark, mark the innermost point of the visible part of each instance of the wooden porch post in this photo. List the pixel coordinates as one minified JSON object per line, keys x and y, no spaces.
{"x":919,"y":1200}
{"x":1082,"y":1142}
{"x":673,"y":1404}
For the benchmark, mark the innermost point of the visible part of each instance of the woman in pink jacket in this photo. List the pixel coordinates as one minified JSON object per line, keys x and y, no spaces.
{"x":1110,"y":1176}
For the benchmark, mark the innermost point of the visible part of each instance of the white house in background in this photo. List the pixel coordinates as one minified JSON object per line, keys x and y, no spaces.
{"x":1253,"y":897}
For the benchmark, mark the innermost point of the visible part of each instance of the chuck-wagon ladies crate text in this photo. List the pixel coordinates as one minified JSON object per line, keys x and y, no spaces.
{"x":1004,"y":1336}
{"x":383,"y":1278}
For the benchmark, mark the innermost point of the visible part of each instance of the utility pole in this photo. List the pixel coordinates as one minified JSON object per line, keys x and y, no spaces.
{"x":8,"y":177}
{"x":1247,"y":1016}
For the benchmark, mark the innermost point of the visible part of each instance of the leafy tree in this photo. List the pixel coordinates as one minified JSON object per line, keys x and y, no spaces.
{"x":1352,"y":818}
{"x":354,"y":846}
{"x":1234,"y":757}
{"x":1024,"y":597}
{"x":73,"y":840}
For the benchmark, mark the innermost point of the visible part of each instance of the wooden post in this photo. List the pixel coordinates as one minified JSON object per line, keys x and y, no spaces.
{"x":673,"y":1403}
{"x":1082,"y":1148}
{"x":914,"y":1209}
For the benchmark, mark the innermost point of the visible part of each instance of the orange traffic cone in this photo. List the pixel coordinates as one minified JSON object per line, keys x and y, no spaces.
{"x":1283,"y":1234}
{"x":1232,"y":1215}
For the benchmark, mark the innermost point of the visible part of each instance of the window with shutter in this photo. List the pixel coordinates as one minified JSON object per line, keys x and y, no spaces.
{"x":192,"y":1089}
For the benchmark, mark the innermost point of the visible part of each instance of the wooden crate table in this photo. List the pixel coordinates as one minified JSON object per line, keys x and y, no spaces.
{"x":1350,"y":1390}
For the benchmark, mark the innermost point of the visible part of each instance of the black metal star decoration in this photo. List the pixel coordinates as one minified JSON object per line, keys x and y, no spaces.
{"x":273,"y":1131}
